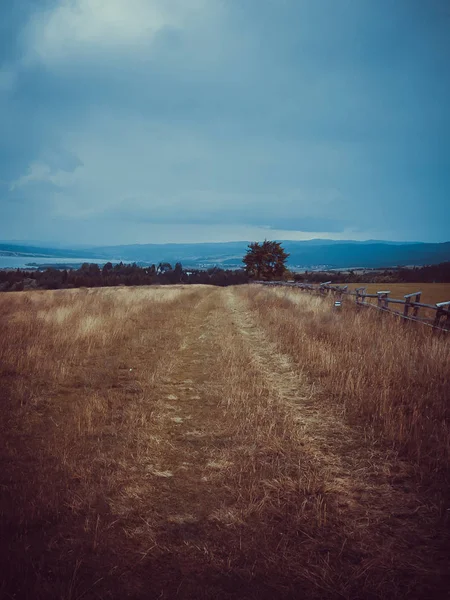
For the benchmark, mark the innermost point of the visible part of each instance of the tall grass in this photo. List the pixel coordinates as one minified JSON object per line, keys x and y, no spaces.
{"x":392,"y":379}
{"x":309,"y":499}
{"x":80,"y":373}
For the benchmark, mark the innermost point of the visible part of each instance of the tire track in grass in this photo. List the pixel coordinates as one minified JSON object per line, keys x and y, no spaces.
{"x":213,"y":528}
{"x":179,"y":550}
{"x":387,"y":527}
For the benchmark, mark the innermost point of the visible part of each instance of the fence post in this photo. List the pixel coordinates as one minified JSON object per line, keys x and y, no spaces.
{"x":323,"y":289}
{"x":383,"y":300}
{"x":437,"y":319}
{"x":416,"y":308}
{"x":360,"y":295}
{"x":338,"y":297}
{"x":443,"y":310}
{"x":408,"y":304}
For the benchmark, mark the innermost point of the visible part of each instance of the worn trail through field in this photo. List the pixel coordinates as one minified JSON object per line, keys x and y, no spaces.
{"x":366,"y":489}
{"x":360,"y":480}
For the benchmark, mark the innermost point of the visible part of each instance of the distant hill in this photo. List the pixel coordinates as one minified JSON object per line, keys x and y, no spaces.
{"x":22,"y":249}
{"x":310,"y":254}
{"x":367,"y":254}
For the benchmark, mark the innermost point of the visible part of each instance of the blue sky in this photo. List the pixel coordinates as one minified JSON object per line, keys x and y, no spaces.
{"x":135,"y":121}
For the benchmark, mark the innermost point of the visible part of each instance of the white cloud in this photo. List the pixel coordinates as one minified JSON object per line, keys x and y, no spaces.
{"x":39,"y":172}
{"x":75,"y":27}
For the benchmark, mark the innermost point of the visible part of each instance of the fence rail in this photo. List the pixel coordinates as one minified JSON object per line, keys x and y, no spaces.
{"x":440,"y":319}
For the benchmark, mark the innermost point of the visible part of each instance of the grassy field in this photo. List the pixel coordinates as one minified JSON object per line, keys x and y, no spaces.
{"x":199,"y":442}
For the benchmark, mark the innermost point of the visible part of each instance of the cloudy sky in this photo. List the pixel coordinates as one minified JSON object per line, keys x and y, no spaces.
{"x":134,"y":121}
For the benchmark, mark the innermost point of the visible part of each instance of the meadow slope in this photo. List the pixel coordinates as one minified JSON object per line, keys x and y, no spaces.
{"x":200,"y":442}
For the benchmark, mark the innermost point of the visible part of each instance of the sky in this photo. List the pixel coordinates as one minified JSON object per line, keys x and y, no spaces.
{"x":140,"y":121}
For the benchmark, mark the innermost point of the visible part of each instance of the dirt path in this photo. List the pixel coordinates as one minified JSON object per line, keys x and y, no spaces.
{"x":180,"y":545}
{"x":199,"y":517}
{"x":354,"y":477}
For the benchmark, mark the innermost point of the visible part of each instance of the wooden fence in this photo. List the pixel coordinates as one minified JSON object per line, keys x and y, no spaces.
{"x":437,"y":317}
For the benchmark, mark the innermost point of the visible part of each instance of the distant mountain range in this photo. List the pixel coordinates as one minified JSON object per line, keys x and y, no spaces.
{"x":310,"y":254}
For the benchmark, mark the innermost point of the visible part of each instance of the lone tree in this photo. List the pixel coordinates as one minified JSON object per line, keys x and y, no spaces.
{"x":266,"y":260}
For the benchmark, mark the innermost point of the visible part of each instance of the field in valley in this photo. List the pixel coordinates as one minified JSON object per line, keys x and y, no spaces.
{"x":431,"y":292}
{"x":199,"y":442}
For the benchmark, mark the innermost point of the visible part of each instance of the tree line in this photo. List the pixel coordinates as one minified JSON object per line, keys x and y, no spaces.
{"x":91,"y":275}
{"x":439,"y":273}
{"x":263,"y":261}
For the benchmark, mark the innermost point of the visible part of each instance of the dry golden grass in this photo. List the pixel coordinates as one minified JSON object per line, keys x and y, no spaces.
{"x":81,"y":409}
{"x":318,"y":455}
{"x":392,"y":376}
{"x":192,"y":442}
